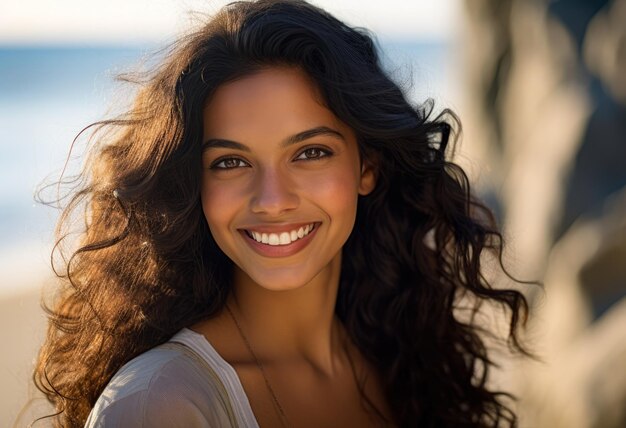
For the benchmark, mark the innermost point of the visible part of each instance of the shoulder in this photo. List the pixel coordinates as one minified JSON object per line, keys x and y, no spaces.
{"x":165,"y":386}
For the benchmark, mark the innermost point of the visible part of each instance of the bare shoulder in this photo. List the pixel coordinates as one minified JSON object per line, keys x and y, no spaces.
{"x":222,"y":334}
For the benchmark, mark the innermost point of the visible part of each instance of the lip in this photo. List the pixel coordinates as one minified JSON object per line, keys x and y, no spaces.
{"x":279,"y":250}
{"x":278,"y":228}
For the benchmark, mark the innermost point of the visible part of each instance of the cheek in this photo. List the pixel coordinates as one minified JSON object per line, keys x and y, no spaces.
{"x":217,"y":204}
{"x":337,"y":191}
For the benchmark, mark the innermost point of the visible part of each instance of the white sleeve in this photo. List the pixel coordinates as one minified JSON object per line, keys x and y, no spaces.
{"x":178,"y":394}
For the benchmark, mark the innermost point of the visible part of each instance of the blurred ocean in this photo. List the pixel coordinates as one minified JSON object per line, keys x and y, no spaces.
{"x":47,"y":95}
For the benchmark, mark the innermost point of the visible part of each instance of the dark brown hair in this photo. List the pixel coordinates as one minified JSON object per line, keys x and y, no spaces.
{"x":145,"y":265}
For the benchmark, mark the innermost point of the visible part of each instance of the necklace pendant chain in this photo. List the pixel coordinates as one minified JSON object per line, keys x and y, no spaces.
{"x":281,"y":412}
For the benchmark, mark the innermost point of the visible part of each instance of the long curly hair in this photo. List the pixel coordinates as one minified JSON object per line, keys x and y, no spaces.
{"x":144,"y":264}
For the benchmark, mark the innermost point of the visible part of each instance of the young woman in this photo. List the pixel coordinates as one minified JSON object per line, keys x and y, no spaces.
{"x":274,"y":236}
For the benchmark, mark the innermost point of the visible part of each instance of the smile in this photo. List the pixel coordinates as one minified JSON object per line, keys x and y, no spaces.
{"x":270,"y":242}
{"x":282,"y":238}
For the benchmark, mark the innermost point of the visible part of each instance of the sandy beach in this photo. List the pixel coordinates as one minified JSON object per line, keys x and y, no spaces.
{"x":22,"y":324}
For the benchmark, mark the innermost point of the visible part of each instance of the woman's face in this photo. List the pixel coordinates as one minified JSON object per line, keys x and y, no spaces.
{"x":277,"y":163}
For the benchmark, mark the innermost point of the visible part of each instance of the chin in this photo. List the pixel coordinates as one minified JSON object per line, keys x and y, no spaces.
{"x":274,"y":282}
{"x":289,"y":277}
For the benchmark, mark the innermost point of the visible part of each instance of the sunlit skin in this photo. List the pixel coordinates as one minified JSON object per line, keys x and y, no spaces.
{"x":257,"y":176}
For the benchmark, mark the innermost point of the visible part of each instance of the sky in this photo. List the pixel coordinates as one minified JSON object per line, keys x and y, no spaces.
{"x":95,"y":22}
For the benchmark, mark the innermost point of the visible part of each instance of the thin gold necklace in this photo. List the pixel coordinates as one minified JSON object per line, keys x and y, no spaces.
{"x":281,"y":412}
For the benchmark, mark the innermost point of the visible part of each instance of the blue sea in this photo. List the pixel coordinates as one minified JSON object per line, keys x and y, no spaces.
{"x":48,"y":94}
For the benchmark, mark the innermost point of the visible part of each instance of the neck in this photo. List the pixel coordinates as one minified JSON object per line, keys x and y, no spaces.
{"x":291,"y":326}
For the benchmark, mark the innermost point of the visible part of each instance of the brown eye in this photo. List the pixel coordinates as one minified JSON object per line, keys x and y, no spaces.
{"x":313,"y":153}
{"x":228,"y":163}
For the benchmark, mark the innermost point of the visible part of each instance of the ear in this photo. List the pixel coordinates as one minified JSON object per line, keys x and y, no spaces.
{"x":369,"y":174}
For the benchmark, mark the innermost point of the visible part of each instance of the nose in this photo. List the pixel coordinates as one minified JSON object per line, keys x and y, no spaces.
{"x":273,"y":194}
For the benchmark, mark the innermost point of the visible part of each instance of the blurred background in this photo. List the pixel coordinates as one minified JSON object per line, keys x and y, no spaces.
{"x":540,"y":87}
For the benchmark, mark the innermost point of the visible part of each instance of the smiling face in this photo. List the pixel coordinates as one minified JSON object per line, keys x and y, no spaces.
{"x":280,"y":168}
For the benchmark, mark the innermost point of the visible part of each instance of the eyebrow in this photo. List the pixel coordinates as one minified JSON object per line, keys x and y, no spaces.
{"x":294,"y":139}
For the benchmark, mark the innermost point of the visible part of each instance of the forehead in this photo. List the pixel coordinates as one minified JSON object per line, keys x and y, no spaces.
{"x":272,"y":101}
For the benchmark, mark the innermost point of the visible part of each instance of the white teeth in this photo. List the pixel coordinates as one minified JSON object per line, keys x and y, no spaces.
{"x":284,"y":238}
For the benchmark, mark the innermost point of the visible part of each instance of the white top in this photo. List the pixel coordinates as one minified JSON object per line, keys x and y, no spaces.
{"x":181,"y":383}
